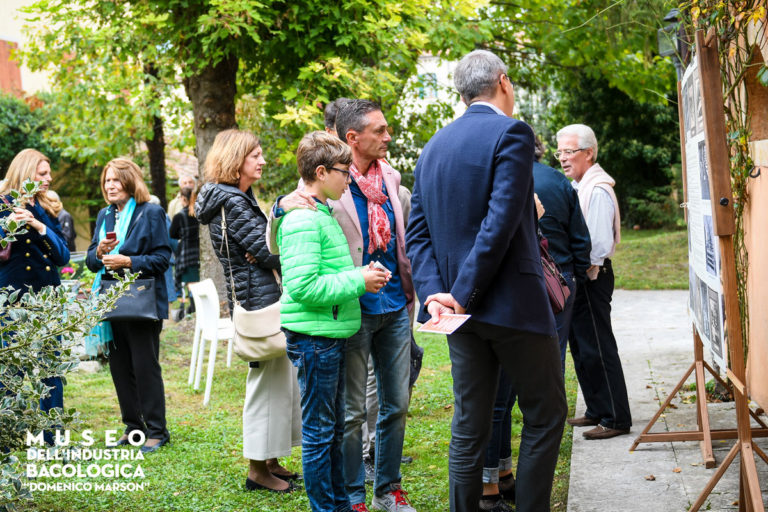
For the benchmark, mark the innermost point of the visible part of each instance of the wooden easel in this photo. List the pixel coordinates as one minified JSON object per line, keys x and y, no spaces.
{"x":704,"y":433}
{"x":750,"y":498}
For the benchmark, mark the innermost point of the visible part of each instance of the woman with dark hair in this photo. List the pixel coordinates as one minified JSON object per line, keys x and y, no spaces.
{"x":271,"y":414}
{"x":131,"y":235}
{"x":35,"y":255}
{"x":186,"y":229}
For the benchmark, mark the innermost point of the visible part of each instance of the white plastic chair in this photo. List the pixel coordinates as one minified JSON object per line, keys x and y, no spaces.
{"x":208,"y":326}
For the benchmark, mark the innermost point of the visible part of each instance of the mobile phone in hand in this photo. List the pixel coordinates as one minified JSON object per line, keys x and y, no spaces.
{"x":111,"y":235}
{"x":379,"y":265}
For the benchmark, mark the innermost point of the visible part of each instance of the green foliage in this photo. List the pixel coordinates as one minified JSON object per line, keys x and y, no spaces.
{"x":414,"y":125}
{"x":548,"y":42}
{"x":37,"y":333}
{"x":638,"y":144}
{"x":294,"y":59}
{"x":22,"y":127}
{"x":103,"y":96}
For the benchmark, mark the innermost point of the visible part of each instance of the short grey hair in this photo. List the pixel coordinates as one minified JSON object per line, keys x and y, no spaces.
{"x":585,"y":135}
{"x":477,"y":74}
{"x":353,"y":115}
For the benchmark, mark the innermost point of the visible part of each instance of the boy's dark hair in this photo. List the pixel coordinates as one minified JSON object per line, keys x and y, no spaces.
{"x":320,"y":148}
{"x":352,"y":116}
{"x":331,"y":110}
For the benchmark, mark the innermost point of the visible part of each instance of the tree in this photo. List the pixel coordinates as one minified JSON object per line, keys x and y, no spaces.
{"x":638,"y":144}
{"x":549,"y":43}
{"x":107,"y":98}
{"x":295,"y":56}
{"x":22,"y":125}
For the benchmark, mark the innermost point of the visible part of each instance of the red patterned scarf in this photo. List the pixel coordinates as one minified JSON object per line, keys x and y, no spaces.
{"x":379,"y":231}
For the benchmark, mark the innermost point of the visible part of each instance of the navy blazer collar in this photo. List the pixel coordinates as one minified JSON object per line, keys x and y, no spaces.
{"x":480,"y":109}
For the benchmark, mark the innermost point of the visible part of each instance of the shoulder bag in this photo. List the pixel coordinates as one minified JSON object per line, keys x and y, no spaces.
{"x":557,"y":287}
{"x":257,"y":335}
{"x":138,"y":303}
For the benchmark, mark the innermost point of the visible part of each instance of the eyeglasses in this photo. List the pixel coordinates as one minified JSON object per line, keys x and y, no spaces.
{"x":567,"y":152}
{"x":347,"y":174}
{"x":503,"y":76}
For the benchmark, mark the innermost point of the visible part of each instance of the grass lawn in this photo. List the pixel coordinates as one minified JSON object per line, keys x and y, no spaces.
{"x":652,"y":260}
{"x":203,"y":468}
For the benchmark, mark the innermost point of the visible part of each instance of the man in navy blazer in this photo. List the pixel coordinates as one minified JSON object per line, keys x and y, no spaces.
{"x":472,"y":242}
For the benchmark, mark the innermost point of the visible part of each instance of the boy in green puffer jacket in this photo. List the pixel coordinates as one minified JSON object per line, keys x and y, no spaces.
{"x":319,"y":311}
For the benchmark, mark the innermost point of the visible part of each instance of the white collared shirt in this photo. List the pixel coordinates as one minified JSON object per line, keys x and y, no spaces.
{"x":600,"y":224}
{"x":494,"y":107}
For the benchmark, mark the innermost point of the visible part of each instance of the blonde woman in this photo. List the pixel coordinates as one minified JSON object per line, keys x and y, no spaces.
{"x":271,"y":414}
{"x":37,"y":254}
{"x":131,"y":234}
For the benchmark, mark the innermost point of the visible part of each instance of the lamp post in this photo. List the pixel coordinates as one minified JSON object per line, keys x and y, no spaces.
{"x":670,"y":40}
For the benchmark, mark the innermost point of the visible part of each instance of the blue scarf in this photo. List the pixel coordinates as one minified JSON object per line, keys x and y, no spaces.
{"x":101,"y":335}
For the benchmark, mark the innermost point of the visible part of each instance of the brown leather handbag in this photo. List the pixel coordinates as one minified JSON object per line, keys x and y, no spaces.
{"x":557,"y":286}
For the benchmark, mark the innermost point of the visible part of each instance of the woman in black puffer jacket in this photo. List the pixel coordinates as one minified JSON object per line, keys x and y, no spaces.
{"x":271,"y":415}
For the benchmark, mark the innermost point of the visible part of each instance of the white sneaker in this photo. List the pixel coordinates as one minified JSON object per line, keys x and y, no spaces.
{"x":394,"y":501}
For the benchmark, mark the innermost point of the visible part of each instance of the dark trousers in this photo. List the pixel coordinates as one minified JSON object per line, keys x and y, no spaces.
{"x":133,"y":361}
{"x":532,"y":363}
{"x":595,"y":354}
{"x":563,"y":318}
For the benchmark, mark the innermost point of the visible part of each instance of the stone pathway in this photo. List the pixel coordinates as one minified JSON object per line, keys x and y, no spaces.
{"x":656,"y":347}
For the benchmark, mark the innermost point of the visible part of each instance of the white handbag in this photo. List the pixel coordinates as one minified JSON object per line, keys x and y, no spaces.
{"x":257,"y":333}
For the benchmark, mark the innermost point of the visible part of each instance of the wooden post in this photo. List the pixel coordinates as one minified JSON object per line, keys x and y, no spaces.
{"x":750,"y":498}
{"x":724,"y":226}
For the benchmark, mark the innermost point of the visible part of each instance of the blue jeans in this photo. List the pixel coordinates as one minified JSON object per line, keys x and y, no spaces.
{"x":498,"y":455}
{"x":387,"y":338}
{"x":563,"y":318}
{"x":320,"y":363}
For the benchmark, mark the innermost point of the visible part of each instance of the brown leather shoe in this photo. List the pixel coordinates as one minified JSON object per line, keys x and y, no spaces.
{"x":583,"y":421}
{"x":601,"y":432}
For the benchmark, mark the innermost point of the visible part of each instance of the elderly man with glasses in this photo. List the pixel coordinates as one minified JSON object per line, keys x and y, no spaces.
{"x":593,"y":346}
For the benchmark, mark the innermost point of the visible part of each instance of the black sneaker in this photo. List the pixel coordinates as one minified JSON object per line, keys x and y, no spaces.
{"x":494,"y":503}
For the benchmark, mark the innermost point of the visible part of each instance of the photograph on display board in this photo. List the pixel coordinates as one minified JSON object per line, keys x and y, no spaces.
{"x":691,"y":289}
{"x":713,"y":311}
{"x":690,"y":247}
{"x":695,"y":284}
{"x":709,"y":245}
{"x":703,"y":170}
{"x":693,"y":113}
{"x":704,"y":310}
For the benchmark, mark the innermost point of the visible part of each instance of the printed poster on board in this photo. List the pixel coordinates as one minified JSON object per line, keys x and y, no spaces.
{"x":706,"y":304}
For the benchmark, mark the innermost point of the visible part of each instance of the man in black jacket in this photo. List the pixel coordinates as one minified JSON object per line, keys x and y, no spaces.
{"x":564,"y":228}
